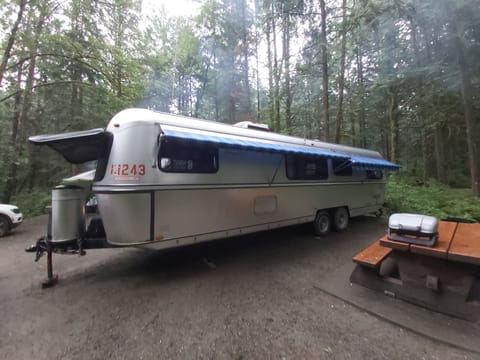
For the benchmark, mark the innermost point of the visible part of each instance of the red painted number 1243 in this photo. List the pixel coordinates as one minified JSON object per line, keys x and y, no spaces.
{"x":127,"y":169}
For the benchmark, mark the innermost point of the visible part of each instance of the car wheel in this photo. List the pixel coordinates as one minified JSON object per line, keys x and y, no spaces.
{"x":4,"y":226}
{"x":322,"y":223}
{"x":340,"y":219}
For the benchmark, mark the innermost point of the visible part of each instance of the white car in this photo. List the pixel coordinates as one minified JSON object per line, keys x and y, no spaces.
{"x":10,"y":217}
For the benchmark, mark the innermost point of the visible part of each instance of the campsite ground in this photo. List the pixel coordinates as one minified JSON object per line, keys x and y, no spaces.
{"x":251,"y":297}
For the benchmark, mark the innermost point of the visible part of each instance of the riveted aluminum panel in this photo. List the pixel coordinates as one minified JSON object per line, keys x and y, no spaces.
{"x":126,"y":217}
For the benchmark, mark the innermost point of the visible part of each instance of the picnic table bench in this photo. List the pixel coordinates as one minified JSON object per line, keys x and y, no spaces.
{"x":444,"y":277}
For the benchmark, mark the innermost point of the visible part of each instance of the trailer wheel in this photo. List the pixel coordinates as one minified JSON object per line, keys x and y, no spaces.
{"x":4,"y":225}
{"x":340,"y":219}
{"x":322,"y":223}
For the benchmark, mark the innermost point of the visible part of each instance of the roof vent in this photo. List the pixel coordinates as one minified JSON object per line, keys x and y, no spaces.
{"x":252,"y":125}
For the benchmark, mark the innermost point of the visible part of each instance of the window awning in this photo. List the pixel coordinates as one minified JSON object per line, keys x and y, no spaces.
{"x":366,"y":163}
{"x":79,"y":146}
{"x":233,"y":141}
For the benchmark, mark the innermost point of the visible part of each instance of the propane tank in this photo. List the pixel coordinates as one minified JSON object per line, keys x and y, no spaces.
{"x":67,"y":217}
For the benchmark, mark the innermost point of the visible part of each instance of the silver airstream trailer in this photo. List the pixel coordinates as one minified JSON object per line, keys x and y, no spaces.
{"x":163,"y":181}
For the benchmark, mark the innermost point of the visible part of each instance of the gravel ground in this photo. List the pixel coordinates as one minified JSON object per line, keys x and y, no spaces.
{"x":252,"y":297}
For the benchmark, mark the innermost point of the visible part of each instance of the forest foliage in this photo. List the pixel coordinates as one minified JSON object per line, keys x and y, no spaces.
{"x":406,"y":194}
{"x":398,"y":76}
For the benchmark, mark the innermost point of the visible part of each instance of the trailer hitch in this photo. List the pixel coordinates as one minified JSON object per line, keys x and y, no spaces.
{"x":41,"y":246}
{"x":78,"y":246}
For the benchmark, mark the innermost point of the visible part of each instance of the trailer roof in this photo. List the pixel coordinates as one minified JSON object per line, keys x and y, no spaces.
{"x":144,"y":115}
{"x":213,"y":131}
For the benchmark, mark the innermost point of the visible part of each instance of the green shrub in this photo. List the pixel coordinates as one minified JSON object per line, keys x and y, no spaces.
{"x":405,"y":194}
{"x":33,"y":203}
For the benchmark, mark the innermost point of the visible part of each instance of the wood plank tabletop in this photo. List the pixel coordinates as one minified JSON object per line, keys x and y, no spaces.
{"x":373,"y":255}
{"x":396,"y":245}
{"x":446,"y":231}
{"x":465,"y":246}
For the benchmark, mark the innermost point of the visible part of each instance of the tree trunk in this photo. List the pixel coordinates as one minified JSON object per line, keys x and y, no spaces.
{"x":361,"y":86}
{"x":424,"y":155}
{"x":286,"y":59}
{"x":470,"y":125}
{"x":11,"y":161}
{"x":271,"y":100}
{"x":33,"y":177}
{"x":11,"y":39}
{"x":257,"y":7}
{"x":385,"y":144}
{"x":119,"y":41}
{"x":393,"y":119}
{"x":352,"y":116}
{"x":324,"y":62}
{"x":215,"y":86}
{"x":201,"y":92}
{"x":231,"y":100}
{"x":276,"y":75}
{"x":75,"y":103}
{"x":471,"y":130}
{"x":341,"y":80}
{"x":439,"y":144}
{"x":246,"y":66}
{"x":21,"y":115}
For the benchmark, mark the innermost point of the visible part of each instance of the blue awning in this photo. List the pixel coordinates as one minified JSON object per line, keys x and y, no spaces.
{"x":366,"y":163}
{"x":233,"y":141}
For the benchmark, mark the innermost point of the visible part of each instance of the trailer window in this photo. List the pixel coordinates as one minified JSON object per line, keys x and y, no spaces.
{"x":187,"y":157}
{"x":342,"y":167}
{"x":301,"y":167}
{"x":374,"y":174}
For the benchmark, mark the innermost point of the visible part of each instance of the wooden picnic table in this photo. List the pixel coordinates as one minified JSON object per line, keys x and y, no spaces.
{"x":456,"y":242}
{"x":444,"y":277}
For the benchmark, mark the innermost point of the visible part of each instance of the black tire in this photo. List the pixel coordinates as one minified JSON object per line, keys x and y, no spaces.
{"x":322,"y":223}
{"x":340,"y":219}
{"x":4,"y":226}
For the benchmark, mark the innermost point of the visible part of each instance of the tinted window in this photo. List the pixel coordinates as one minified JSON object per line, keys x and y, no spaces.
{"x":301,"y":167}
{"x":342,"y":167}
{"x":187,"y":157}
{"x":374,"y":174}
